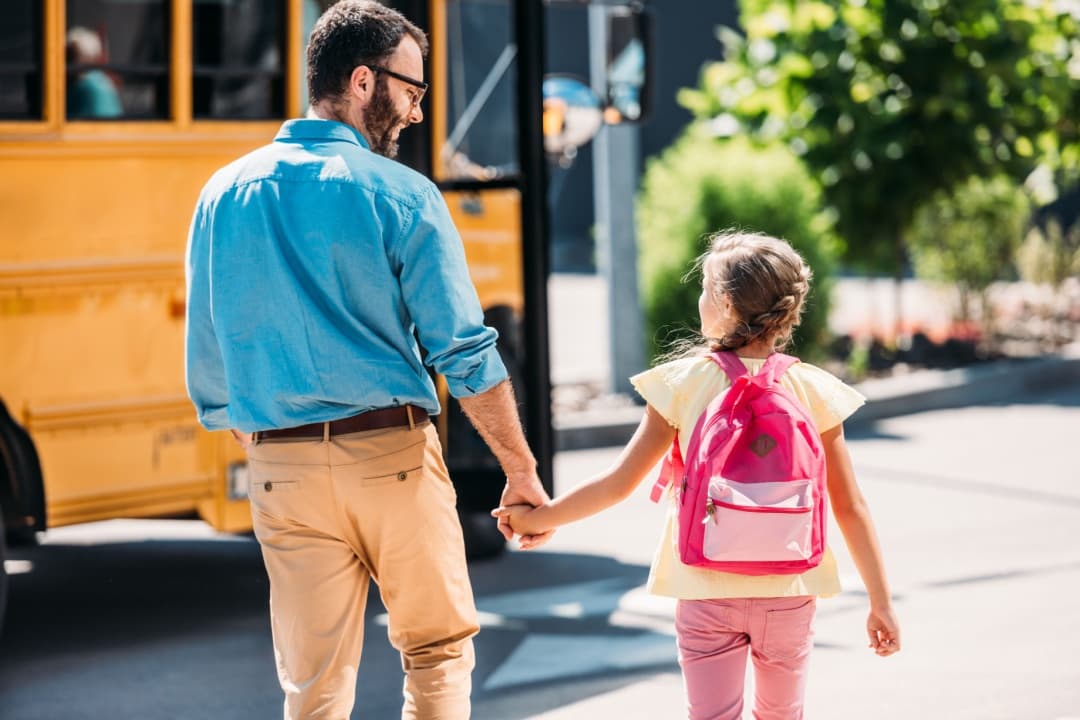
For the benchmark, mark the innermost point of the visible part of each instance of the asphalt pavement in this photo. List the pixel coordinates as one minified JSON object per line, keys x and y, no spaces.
{"x":976,"y":498}
{"x":977,"y":510}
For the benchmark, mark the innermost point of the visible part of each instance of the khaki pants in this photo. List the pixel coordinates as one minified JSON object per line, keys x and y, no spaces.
{"x":333,"y":515}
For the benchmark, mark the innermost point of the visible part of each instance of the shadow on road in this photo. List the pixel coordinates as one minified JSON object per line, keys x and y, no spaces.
{"x":93,"y":598}
{"x":179,"y":628}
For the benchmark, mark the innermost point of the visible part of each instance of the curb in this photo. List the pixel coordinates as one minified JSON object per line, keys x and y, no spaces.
{"x":596,"y":429}
{"x":978,"y":385}
{"x":920,"y":391}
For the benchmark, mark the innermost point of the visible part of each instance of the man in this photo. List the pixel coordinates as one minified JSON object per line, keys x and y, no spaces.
{"x":311,"y":262}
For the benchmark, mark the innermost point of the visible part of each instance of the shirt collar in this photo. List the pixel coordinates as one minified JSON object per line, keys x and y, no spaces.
{"x":316,"y":129}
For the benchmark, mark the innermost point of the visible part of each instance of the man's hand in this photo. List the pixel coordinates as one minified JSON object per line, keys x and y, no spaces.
{"x":244,"y":439}
{"x":523,"y":489}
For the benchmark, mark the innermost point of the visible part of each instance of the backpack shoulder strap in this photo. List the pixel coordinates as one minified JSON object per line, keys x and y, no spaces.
{"x":776,"y":365}
{"x":730,"y":364}
{"x":671,"y":468}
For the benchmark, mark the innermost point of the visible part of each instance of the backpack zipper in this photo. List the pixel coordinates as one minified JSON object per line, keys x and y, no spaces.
{"x":710,"y":512}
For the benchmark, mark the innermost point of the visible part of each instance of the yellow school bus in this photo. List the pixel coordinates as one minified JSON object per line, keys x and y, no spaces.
{"x":113,"y":114}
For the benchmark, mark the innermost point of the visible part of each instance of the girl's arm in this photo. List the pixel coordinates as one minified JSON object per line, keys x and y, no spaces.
{"x":651,"y":440}
{"x":853,"y":516}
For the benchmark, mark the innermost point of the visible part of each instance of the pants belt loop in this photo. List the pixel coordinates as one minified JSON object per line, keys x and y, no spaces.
{"x":408,"y":412}
{"x":255,"y":438}
{"x":326,"y":432}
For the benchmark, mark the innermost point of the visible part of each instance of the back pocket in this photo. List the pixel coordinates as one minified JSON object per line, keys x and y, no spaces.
{"x":789,"y":632}
{"x":397,"y":465}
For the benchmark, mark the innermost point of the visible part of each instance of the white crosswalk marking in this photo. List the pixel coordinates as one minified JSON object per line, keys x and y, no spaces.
{"x":534,"y":660}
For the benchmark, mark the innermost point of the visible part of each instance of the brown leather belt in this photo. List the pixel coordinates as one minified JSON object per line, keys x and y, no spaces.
{"x":370,"y":420}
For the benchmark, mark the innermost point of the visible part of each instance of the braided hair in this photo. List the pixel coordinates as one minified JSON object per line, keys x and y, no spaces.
{"x":765,"y":280}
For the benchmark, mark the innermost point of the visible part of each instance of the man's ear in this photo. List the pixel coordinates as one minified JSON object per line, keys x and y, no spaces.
{"x":362,"y":84}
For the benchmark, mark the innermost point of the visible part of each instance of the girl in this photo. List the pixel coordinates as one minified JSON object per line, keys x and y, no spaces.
{"x":752,"y":297}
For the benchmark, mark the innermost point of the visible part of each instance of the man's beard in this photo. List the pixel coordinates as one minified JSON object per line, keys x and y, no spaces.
{"x":381,"y":120}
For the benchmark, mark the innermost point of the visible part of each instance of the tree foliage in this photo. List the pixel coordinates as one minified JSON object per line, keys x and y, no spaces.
{"x":969,"y":237}
{"x":701,"y":185}
{"x":891,"y":102}
{"x":1050,"y":254}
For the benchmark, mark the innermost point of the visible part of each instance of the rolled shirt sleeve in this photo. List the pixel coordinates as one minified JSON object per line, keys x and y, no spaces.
{"x":441,"y":300}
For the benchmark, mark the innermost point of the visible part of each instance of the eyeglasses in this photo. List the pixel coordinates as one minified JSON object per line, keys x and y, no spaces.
{"x":420,"y":85}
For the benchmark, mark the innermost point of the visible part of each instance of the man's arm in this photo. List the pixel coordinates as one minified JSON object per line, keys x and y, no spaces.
{"x":494,"y":415}
{"x":442,"y":302}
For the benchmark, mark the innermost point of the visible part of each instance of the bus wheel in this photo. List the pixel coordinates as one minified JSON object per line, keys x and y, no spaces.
{"x":21,"y":486}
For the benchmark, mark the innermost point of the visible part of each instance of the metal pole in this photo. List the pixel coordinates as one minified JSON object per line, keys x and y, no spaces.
{"x":529,"y":37}
{"x":615,"y":176}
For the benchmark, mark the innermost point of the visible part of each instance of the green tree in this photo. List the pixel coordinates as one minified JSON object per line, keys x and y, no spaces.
{"x":891,"y":102}
{"x":701,"y":185}
{"x":969,"y":237}
{"x":1050,"y":255}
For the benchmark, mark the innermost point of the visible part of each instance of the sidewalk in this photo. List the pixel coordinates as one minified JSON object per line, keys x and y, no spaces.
{"x":579,"y":338}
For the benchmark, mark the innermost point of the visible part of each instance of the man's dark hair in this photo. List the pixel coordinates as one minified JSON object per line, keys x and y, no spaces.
{"x":352,"y":33}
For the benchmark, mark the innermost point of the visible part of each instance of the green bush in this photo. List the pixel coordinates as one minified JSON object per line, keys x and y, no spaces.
{"x":1050,"y":255}
{"x":969,"y":237}
{"x":701,"y":185}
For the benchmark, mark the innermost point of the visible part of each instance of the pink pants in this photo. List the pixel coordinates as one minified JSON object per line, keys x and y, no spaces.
{"x":713,"y":637}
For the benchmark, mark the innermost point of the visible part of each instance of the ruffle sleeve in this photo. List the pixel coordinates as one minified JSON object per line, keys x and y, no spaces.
{"x":666,"y":387}
{"x":831,"y":401}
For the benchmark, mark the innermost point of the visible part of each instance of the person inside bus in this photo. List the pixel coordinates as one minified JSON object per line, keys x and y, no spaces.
{"x":313,"y":264}
{"x":91,"y":93}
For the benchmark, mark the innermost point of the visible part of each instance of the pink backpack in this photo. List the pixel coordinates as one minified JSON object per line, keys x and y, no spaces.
{"x":752,"y":496}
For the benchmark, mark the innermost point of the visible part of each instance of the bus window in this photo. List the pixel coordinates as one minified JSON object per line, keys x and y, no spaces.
{"x":117,"y":59}
{"x":481,"y":142}
{"x":20,"y":60}
{"x":238,"y":52}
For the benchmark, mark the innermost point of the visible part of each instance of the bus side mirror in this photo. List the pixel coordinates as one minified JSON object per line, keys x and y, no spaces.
{"x":572,"y":117}
{"x":629,"y":74}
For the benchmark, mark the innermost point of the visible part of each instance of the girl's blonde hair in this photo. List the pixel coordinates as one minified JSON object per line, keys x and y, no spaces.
{"x":765,"y":280}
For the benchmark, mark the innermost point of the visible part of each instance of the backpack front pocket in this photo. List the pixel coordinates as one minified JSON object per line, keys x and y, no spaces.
{"x":756,"y":522}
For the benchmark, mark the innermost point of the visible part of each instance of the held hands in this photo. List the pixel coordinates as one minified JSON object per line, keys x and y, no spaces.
{"x":884,"y":632}
{"x":522,"y":489}
{"x":517,"y":517}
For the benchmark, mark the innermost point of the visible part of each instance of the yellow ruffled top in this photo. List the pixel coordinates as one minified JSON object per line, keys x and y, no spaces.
{"x":680,"y":390}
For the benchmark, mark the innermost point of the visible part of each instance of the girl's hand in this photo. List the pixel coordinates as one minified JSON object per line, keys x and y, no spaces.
{"x":523,"y":489}
{"x":517,"y":516}
{"x":884,"y":632}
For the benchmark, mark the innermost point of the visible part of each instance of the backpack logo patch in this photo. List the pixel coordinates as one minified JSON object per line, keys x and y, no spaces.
{"x":763,"y":445}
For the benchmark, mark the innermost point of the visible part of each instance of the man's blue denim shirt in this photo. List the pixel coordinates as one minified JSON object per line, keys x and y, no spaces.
{"x":310,"y":264}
